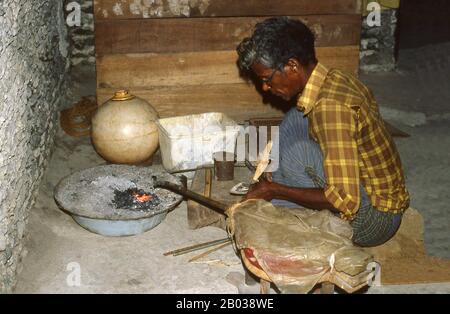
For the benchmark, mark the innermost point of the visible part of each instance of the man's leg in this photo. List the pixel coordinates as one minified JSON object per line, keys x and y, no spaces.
{"x":300,"y":166}
{"x":372,"y":227}
{"x":298,"y":155}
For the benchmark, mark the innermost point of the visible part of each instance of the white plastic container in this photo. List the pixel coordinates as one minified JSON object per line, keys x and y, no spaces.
{"x":188,"y":142}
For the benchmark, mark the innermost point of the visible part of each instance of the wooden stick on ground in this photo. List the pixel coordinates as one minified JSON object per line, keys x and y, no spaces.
{"x":196,"y":247}
{"x":209,"y":252}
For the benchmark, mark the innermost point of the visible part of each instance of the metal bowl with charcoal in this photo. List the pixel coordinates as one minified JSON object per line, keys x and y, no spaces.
{"x":116,"y":200}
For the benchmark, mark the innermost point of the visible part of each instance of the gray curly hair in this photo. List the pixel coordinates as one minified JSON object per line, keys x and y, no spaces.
{"x":275,"y":41}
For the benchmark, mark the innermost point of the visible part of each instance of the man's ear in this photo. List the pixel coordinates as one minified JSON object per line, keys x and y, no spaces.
{"x":293,"y":65}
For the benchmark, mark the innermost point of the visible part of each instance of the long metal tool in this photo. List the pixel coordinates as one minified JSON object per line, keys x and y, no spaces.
{"x":182,"y":190}
{"x":195,"y":258}
{"x":196,"y":247}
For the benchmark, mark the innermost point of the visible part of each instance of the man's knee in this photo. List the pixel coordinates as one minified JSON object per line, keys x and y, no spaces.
{"x":375,"y":230}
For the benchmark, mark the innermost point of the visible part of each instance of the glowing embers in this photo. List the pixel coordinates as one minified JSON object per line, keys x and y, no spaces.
{"x":135,"y":199}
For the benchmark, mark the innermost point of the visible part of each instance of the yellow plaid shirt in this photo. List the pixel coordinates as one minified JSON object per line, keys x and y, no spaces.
{"x":345,"y":121}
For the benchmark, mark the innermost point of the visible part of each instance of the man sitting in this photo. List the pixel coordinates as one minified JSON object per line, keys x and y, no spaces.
{"x":335,"y":151}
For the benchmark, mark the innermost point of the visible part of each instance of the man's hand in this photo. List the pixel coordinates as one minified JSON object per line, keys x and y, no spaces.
{"x":313,"y":198}
{"x":268,"y":176}
{"x":261,"y":190}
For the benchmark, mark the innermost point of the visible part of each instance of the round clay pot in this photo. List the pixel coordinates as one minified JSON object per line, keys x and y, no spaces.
{"x":124,"y":129}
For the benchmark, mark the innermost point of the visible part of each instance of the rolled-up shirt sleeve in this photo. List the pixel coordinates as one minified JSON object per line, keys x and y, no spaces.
{"x":335,"y":127}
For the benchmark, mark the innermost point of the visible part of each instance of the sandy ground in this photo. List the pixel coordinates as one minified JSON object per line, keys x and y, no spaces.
{"x":114,"y":264}
{"x":135,"y":264}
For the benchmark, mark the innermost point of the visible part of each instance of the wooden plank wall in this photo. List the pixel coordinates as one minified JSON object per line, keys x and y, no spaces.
{"x":185,"y":65}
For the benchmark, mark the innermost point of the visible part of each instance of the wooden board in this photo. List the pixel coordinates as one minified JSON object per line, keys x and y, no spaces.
{"x":150,"y":70}
{"x":141,"y":71}
{"x":239,"y":101}
{"x":132,"y":9}
{"x":190,"y":83}
{"x":210,"y":34}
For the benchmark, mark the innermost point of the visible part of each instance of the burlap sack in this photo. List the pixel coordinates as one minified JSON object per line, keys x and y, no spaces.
{"x":298,"y":248}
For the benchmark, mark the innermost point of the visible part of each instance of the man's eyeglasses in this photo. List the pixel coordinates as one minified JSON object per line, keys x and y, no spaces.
{"x":268,"y":81}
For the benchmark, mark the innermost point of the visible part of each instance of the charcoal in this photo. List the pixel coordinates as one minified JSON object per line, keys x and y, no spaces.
{"x":127,"y":200}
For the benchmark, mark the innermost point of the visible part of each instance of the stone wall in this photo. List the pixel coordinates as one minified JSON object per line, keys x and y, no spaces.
{"x":81,"y":38}
{"x":32,"y":78}
{"x":378,"y":43}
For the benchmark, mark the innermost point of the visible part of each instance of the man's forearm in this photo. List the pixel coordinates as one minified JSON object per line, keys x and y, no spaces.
{"x":313,"y":198}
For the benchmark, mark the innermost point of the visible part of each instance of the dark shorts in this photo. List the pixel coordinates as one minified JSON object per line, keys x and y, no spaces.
{"x":301,"y":165}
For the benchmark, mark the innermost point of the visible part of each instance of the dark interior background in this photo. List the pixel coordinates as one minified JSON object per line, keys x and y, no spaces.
{"x":423,"y":22}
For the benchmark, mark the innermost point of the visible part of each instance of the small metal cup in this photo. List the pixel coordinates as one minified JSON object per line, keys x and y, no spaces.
{"x":224,"y":166}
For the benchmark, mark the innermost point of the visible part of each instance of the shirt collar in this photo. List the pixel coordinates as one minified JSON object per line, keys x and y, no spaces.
{"x":308,"y":97}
